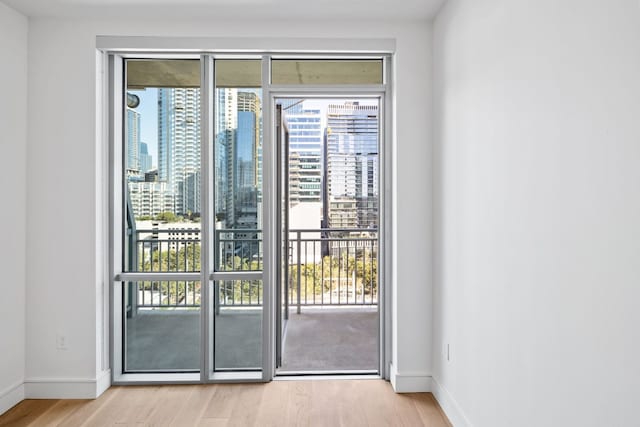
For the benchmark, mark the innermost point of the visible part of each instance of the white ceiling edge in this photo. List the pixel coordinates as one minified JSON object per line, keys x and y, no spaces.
{"x":338,"y":10}
{"x":246,"y":44}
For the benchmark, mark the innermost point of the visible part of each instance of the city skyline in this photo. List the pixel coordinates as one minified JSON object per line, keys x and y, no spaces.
{"x":315,"y":144}
{"x":148,"y":111}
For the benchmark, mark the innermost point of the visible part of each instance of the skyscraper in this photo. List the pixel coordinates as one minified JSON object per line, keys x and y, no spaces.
{"x":149,"y":199}
{"x":226,"y":125}
{"x":350,"y":190}
{"x":145,"y":159}
{"x":133,"y":141}
{"x":247,"y":140}
{"x":179,"y":146}
{"x":305,"y":152}
{"x":245,"y":161}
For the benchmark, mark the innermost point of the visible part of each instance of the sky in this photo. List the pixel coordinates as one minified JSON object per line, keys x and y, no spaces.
{"x":148,"y":110}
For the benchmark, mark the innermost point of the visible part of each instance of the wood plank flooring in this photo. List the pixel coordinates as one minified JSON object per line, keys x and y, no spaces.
{"x":278,"y":403}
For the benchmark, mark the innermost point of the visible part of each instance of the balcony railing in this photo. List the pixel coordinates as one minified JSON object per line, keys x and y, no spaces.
{"x":332,"y":267}
{"x":170,"y":250}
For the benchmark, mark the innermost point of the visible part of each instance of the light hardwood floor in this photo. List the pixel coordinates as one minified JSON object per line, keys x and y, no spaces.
{"x":278,"y":403}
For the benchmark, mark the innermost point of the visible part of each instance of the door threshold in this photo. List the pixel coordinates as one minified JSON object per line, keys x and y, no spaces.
{"x":327,"y":375}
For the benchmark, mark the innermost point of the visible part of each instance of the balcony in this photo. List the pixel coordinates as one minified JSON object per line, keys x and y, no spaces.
{"x":328,"y":301}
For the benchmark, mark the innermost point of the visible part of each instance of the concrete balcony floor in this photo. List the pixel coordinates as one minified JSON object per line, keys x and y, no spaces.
{"x":331,"y":339}
{"x":319,"y":339}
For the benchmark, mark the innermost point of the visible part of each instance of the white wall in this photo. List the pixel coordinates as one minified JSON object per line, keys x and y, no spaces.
{"x":537,"y":219}
{"x":64,"y":289}
{"x":13,"y":155}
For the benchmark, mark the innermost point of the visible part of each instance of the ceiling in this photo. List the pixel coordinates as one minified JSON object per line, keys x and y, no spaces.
{"x":246,"y":9}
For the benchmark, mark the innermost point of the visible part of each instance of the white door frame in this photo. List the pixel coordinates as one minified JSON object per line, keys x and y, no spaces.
{"x":379,"y":92}
{"x":114,"y":84}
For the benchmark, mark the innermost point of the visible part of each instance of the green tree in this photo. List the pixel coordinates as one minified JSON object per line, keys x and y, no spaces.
{"x":168,"y":216}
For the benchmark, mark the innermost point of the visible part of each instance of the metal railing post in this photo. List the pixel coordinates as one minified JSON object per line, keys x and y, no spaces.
{"x":299,"y":269}
{"x":216,"y":263}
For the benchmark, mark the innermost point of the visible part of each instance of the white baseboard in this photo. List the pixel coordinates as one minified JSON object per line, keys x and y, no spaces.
{"x":409,"y":382}
{"x":11,"y":396}
{"x":449,"y":405}
{"x":67,"y":388}
{"x":103,"y":382}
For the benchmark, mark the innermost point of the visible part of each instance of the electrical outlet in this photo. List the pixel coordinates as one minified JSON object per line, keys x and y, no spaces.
{"x":61,"y":342}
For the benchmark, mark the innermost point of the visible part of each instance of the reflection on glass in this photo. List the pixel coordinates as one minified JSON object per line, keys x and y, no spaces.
{"x":162,"y":326}
{"x":162,"y":166}
{"x":238,"y":325}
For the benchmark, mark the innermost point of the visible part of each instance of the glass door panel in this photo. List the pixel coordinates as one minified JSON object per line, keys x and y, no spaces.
{"x":238,"y":326}
{"x":161,"y":177}
{"x":238,"y":301}
{"x":282,"y":300}
{"x":163,"y":333}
